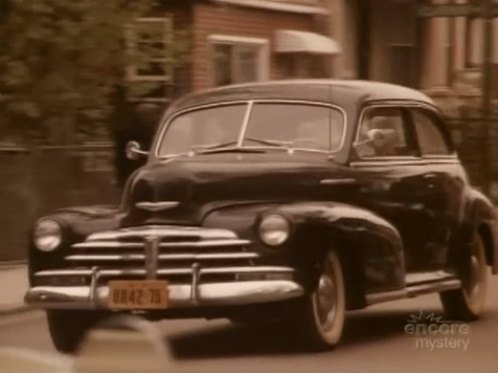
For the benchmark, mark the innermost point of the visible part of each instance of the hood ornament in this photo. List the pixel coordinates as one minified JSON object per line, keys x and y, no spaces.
{"x":156,"y":206}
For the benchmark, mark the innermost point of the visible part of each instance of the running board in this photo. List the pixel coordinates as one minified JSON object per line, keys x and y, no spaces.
{"x":420,"y":278}
{"x":418,"y":285}
{"x":436,"y":287}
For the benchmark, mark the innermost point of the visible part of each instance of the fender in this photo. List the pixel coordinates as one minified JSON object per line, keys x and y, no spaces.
{"x":374,"y":243}
{"x":76,"y":223}
{"x":479,"y":214}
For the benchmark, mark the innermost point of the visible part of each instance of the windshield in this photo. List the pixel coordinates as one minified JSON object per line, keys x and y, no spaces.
{"x":203,"y":128}
{"x":297,"y":126}
{"x":300,"y":126}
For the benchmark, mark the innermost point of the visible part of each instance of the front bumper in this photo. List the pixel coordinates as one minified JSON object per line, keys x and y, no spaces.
{"x":180,"y":296}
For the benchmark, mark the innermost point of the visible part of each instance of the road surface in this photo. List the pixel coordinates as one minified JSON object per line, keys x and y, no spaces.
{"x":382,"y":339}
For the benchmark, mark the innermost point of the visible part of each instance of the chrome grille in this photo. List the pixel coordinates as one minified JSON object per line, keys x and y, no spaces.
{"x":165,"y":252}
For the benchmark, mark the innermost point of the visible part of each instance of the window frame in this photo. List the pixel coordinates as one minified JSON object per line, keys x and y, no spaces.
{"x":439,"y":124}
{"x":263,"y":64}
{"x":168,"y":119}
{"x":407,"y":125}
{"x":132,"y":70}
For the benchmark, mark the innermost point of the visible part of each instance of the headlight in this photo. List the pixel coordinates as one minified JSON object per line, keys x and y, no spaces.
{"x":274,"y":230}
{"x":47,"y":235}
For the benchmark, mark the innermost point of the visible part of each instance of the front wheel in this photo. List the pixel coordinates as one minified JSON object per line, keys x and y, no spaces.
{"x":325,"y":308}
{"x":67,"y":328}
{"x":467,"y":303}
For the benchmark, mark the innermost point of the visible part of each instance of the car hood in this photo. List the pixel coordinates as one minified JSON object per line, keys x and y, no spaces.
{"x":183,"y":190}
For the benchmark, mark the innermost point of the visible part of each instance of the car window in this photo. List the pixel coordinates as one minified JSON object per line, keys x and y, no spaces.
{"x":203,"y":127}
{"x":383,"y":133}
{"x":430,"y":138}
{"x":301,"y":126}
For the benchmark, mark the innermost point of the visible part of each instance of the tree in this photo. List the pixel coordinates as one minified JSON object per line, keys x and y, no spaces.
{"x":60,"y":63}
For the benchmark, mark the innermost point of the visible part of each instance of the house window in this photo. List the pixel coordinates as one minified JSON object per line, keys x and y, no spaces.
{"x":150,"y":68}
{"x":239,"y":60}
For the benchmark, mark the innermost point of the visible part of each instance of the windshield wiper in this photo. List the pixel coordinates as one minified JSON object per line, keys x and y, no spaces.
{"x":196,"y":148}
{"x":227,"y":147}
{"x":279,"y":143}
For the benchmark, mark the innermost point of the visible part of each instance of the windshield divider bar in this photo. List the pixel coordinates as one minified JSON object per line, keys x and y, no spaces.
{"x":245,"y":124}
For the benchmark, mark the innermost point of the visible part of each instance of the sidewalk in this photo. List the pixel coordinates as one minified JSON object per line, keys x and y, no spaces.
{"x":13,"y":285}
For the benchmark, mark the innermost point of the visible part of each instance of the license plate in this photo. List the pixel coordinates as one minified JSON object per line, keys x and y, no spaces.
{"x":138,"y":295}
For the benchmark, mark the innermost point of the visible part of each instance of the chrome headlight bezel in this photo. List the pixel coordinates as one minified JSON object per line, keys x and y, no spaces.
{"x":47,"y":235}
{"x":274,"y":230}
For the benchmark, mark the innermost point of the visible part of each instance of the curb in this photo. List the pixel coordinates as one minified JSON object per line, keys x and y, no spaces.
{"x":15,"y":310}
{"x":13,"y":263}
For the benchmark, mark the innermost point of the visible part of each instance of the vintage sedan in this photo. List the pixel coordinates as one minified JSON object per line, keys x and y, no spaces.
{"x":288,"y":201}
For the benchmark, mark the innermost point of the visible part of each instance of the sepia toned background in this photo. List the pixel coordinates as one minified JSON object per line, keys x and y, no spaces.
{"x":79,"y":80}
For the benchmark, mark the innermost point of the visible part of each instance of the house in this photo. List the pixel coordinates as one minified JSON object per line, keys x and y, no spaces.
{"x":232,"y":41}
{"x":439,"y":47}
{"x":413,"y":42}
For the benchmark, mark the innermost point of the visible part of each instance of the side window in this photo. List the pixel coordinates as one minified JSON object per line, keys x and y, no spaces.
{"x":430,"y":138}
{"x":383,"y":133}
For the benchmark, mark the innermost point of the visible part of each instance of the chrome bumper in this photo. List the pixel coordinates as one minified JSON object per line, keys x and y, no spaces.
{"x":180,"y":296}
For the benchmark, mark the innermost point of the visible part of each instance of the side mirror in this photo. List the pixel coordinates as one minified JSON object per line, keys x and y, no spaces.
{"x":122,"y":344}
{"x":134,"y":151}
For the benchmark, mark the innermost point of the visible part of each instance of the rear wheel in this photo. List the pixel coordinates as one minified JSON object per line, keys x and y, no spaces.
{"x":325,"y":308}
{"x":467,"y":303}
{"x":67,"y":328}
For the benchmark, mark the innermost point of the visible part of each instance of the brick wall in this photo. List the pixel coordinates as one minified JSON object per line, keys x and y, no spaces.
{"x":211,"y":19}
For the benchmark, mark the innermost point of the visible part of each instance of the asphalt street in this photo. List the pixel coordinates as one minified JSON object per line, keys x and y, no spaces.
{"x":392,"y":337}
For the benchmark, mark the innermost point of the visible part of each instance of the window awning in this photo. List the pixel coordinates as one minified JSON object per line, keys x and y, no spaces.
{"x":291,"y":41}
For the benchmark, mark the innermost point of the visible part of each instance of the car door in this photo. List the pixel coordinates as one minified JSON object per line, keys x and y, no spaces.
{"x":444,"y":178}
{"x":394,"y":179}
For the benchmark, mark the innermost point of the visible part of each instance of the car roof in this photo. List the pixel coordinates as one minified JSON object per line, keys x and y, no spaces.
{"x":343,"y":93}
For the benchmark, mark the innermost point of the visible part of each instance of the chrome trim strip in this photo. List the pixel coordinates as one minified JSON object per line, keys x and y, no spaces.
{"x":167,"y":257}
{"x":108,"y":245}
{"x":262,"y":269}
{"x":180,"y":296}
{"x":160,"y":271}
{"x":245,"y":124}
{"x":139,"y":245}
{"x":338,"y":181}
{"x":156,"y":206}
{"x":94,"y":284}
{"x":163,"y":232}
{"x":151,"y":257}
{"x":194,"y":291}
{"x":415,"y":162}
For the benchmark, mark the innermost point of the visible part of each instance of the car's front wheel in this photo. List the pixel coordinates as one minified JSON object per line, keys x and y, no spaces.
{"x":325,"y":308}
{"x":67,"y":328}
{"x":467,"y":303}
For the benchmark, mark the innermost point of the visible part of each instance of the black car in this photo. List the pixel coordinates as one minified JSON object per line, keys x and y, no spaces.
{"x":289,"y":201}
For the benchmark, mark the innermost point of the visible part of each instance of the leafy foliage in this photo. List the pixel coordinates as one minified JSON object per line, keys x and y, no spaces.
{"x":60,"y":62}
